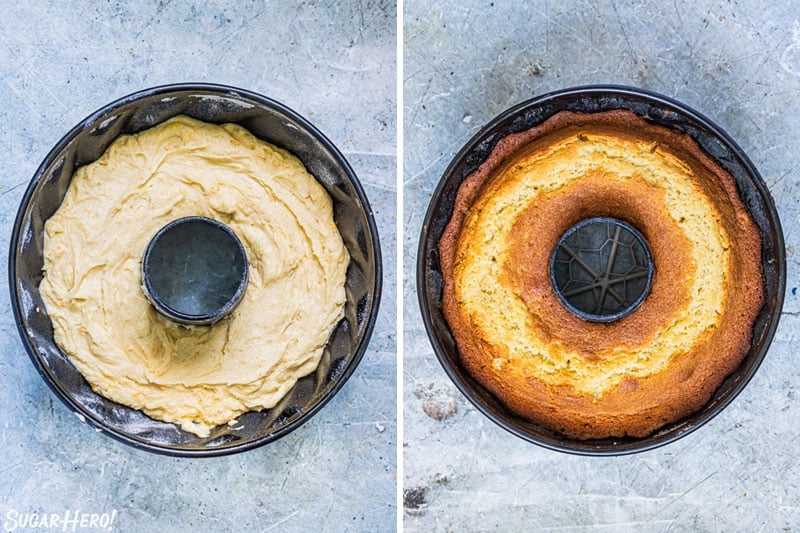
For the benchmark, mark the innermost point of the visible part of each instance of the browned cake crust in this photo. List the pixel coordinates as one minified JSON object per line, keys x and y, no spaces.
{"x":587,"y":403}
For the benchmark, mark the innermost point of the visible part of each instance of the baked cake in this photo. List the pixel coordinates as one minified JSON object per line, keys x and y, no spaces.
{"x":591,"y":380}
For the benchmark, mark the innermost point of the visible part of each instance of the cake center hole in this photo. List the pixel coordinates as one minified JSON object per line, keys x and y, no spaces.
{"x":601,"y":269}
{"x":194,"y":270}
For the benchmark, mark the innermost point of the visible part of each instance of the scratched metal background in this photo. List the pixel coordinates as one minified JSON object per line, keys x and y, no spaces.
{"x":335,"y":64}
{"x":738,"y":62}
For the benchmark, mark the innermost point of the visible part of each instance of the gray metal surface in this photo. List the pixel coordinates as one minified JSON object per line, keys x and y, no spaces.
{"x":335,"y":65}
{"x":464,"y":63}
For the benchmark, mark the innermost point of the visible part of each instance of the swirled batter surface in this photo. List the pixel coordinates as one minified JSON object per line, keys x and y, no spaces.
{"x":204,"y":376}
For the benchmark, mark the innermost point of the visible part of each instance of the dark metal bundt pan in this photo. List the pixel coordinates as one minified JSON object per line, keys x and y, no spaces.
{"x":657,"y":109}
{"x":268,"y":120}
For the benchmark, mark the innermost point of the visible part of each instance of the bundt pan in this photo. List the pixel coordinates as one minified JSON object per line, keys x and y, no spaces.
{"x":268,"y":120}
{"x":659,"y":110}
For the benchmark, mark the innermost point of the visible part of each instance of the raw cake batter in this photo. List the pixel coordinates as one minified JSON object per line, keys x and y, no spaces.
{"x":205,"y":376}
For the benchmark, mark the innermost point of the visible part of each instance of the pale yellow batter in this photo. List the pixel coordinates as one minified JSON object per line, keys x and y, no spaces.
{"x":205,"y":376}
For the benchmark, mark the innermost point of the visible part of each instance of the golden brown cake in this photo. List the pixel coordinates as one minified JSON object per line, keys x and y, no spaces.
{"x":589,"y":380}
